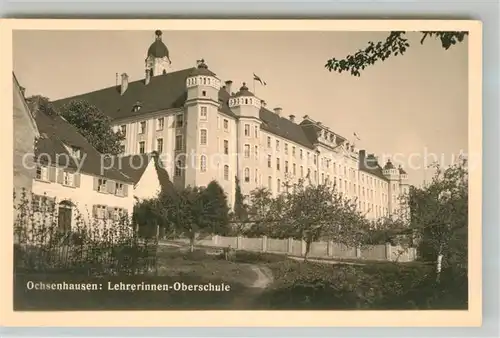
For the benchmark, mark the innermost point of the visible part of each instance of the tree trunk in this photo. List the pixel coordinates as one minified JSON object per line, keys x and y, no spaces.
{"x":439,"y":262}
{"x":308,"y":248}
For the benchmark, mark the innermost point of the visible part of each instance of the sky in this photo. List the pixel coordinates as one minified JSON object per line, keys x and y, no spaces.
{"x":413,"y":107}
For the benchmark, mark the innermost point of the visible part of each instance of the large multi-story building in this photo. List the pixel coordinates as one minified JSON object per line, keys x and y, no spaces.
{"x":205,"y":131}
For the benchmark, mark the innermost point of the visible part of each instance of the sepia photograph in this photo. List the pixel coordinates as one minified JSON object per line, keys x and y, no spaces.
{"x":226,"y":169}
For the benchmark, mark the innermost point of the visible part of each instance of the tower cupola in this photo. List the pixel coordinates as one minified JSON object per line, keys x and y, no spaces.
{"x":390,"y":171}
{"x":245,"y":103}
{"x":158,"y":57}
{"x":202,"y":83}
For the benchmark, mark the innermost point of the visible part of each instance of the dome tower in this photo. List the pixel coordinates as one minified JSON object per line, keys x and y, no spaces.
{"x":158,"y":57}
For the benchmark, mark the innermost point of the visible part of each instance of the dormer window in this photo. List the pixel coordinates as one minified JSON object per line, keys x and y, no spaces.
{"x":68,"y":179}
{"x":179,"y":120}
{"x":137,"y":106}
{"x":75,"y":152}
{"x":101,"y":187}
{"x":42,"y":173}
{"x":160,"y":123}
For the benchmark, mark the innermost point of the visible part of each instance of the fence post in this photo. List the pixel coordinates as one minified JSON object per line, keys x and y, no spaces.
{"x":238,"y":243}
{"x":264,"y":243}
{"x":157,"y":231}
{"x":303,"y":247}
{"x":290,"y":245}
{"x":358,"y":252}
{"x":329,"y":249}
{"x":215,"y":240}
{"x":388,"y":251}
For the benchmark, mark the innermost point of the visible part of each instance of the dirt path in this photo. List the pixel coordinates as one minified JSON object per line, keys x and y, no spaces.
{"x":264,"y":276}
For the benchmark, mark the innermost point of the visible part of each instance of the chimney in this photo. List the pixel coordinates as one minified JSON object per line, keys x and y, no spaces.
{"x":263,"y":103}
{"x":292,"y":118}
{"x":148,"y":77}
{"x":362,"y":158}
{"x":278,"y":111}
{"x":124,"y":83}
{"x":228,"y":86}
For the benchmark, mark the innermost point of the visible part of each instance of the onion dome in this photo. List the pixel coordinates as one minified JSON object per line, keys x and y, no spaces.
{"x":389,"y":165}
{"x":244,"y":91}
{"x":202,"y":69}
{"x":158,"y":48}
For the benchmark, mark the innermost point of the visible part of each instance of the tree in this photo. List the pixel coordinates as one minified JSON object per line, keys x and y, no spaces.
{"x":240,"y":208}
{"x":217,"y":209}
{"x":93,"y":125}
{"x":148,"y":217}
{"x":39,"y":103}
{"x":439,"y":214}
{"x":316,"y":211}
{"x":395,"y":44}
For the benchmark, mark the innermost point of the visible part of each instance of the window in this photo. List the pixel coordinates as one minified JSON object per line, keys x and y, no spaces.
{"x":68,"y":179}
{"x":294,"y":172}
{"x":256,"y":152}
{"x":119,"y":189}
{"x":226,"y":172}
{"x":315,"y":159}
{"x":269,"y":142}
{"x":204,"y":92}
{"x":178,"y":168}
{"x":42,"y":173}
{"x":286,"y":148}
{"x":218,"y":122}
{"x":179,"y":120}
{"x":247,"y":130}
{"x":142,"y":147}
{"x":100,"y":211}
{"x":301,"y":171}
{"x":293,"y":151}
{"x":334,"y":168}
{"x":101,"y":185}
{"x":277,"y":145}
{"x":247,"y":150}
{"x":269,"y":182}
{"x":42,"y":203}
{"x":277,"y":163}
{"x":123,"y":129}
{"x":256,"y":132}
{"x":159,"y":145}
{"x":226,"y":124}
{"x":247,"y":175}
{"x":226,"y":147}
{"x":203,"y":113}
{"x":178,"y":142}
{"x":286,"y":166}
{"x":301,"y":154}
{"x":256,"y":176}
{"x":160,"y":123}
{"x":203,"y":163}
{"x":269,"y":164}
{"x":278,"y":185}
{"x":322,"y":178}
{"x":142,"y":127}
{"x":203,"y":137}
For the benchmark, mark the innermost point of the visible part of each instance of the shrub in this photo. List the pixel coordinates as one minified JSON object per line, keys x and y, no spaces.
{"x":257,"y":257}
{"x":91,"y":246}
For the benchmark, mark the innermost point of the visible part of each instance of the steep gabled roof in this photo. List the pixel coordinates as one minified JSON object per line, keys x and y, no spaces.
{"x":371,"y":166}
{"x":17,"y":88}
{"x":55,"y":134}
{"x":134,"y":167}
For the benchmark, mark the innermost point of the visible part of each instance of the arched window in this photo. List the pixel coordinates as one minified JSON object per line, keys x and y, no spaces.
{"x":246,"y":101}
{"x":226,"y":172}
{"x":204,"y":81}
{"x":203,"y":163}
{"x":247,"y":175}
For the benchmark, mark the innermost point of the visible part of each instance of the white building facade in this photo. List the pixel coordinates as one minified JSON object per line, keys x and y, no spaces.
{"x":204,"y":131}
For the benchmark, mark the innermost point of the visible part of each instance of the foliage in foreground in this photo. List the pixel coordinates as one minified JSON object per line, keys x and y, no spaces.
{"x":395,"y":44}
{"x":91,"y":247}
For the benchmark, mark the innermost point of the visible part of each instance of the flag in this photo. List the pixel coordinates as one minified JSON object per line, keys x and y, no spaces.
{"x":257,"y":78}
{"x":356,"y":136}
